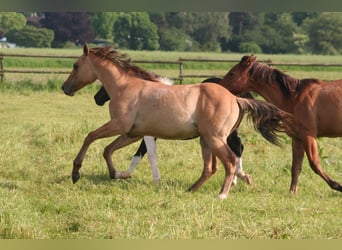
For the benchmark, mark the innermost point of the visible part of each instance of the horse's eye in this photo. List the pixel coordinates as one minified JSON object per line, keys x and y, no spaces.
{"x":231,"y":74}
{"x":75,"y":66}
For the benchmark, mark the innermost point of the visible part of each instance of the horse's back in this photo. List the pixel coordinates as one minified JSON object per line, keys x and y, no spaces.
{"x":323,"y":103}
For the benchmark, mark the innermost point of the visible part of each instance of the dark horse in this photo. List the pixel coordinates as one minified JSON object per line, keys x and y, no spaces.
{"x":148,"y":145}
{"x":315,"y":104}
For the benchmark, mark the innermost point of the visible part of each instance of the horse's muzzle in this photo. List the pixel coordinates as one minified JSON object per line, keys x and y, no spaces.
{"x":68,"y":90}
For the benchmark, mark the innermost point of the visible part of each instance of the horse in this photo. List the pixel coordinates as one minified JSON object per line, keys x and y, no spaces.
{"x":316,"y":107}
{"x":141,"y":106}
{"x":148,"y":144}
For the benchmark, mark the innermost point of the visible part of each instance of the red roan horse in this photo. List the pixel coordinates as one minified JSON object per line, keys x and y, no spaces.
{"x":141,"y":106}
{"x":315,"y":104}
{"x":148,"y":144}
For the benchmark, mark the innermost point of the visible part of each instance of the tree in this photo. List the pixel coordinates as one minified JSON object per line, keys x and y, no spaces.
{"x":210,"y":28}
{"x":245,"y":29}
{"x":278,"y":33}
{"x":325,"y":33}
{"x":11,"y":20}
{"x":31,"y":36}
{"x":103,"y":23}
{"x":174,"y":39}
{"x":134,"y":30}
{"x":69,"y":26}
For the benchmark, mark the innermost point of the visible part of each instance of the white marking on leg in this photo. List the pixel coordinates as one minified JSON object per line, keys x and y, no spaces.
{"x":152,"y":157}
{"x":134,"y":162}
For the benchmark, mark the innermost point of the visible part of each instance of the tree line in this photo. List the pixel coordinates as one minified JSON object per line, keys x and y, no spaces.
{"x":244,"y":32}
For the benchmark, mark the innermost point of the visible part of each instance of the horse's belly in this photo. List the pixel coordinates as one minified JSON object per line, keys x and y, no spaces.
{"x":165,"y":130}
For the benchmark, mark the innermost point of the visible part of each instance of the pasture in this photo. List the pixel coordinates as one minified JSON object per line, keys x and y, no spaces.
{"x":41,"y":130}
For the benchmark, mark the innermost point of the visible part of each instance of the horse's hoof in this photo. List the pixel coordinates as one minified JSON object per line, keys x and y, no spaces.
{"x":75,"y":177}
{"x":156,"y":182}
{"x":249,"y":179}
{"x":223,"y":196}
{"x":123,"y":175}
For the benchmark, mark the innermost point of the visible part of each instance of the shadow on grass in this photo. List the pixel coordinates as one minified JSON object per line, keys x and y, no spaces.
{"x":8,"y":185}
{"x":168,"y":184}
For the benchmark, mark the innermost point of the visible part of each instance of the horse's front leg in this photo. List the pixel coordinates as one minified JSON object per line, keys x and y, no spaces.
{"x":119,"y":142}
{"x":151,"y":146}
{"x":107,"y":130}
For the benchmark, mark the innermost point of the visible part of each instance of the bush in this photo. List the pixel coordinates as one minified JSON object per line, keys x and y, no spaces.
{"x":250,"y":47}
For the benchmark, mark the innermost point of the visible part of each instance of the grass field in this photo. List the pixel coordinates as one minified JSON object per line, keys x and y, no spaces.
{"x":41,"y":130}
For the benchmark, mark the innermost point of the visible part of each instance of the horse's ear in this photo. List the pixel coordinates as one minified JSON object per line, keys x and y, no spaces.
{"x":252,"y":58}
{"x":248,"y":60}
{"x":85,"y":49}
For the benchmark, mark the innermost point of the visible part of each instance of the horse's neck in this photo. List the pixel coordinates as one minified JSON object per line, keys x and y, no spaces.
{"x":112,"y":79}
{"x":273,"y":94}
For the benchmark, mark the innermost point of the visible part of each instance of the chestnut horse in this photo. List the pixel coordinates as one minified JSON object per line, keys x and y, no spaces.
{"x":315,"y":104}
{"x":148,"y":144}
{"x":140,"y":107}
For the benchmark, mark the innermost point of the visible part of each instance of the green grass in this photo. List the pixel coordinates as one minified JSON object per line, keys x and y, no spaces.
{"x":41,"y":131}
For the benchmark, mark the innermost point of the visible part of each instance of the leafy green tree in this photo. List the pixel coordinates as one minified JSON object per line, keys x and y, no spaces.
{"x":278,"y":33}
{"x":299,"y":17}
{"x":245,"y":29}
{"x":174,"y":39}
{"x":30,"y":36}
{"x":210,"y":28}
{"x":325,"y":33}
{"x":11,"y":20}
{"x":135,"y":30}
{"x":103,"y":23}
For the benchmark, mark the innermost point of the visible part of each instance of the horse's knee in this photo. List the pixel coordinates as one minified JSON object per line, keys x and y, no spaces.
{"x":107,"y":152}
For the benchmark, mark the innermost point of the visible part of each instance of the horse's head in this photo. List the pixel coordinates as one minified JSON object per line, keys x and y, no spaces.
{"x":81,"y":75}
{"x":236,"y":80}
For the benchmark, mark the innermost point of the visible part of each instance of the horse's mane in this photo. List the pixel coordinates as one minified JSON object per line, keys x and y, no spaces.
{"x":288,"y":84}
{"x":124,"y":63}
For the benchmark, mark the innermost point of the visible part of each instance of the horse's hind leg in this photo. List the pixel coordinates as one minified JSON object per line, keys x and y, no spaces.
{"x":297,"y":161}
{"x":311,"y":149}
{"x":210,"y":166}
{"x":235,"y":144}
{"x":228,"y":160}
{"x":241,"y":174}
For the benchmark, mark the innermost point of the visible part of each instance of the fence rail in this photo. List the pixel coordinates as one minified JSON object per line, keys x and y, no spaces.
{"x":180,"y":62}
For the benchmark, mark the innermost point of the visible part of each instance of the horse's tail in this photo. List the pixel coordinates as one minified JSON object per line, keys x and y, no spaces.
{"x":267,"y":119}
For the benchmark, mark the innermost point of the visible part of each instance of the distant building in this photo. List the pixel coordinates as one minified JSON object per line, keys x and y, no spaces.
{"x":5,"y":44}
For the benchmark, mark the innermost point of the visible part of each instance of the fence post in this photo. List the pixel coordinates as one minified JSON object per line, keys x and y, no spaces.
{"x":180,"y":76}
{"x":1,"y":69}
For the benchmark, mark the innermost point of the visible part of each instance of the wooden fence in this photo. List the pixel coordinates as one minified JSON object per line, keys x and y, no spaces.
{"x":180,"y":62}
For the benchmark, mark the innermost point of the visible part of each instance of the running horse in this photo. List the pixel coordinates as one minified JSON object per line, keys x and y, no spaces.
{"x":316,"y":106}
{"x":140,"y":107}
{"x":148,"y":143}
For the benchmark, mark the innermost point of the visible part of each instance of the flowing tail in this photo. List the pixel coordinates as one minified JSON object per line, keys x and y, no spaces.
{"x":267,"y":119}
